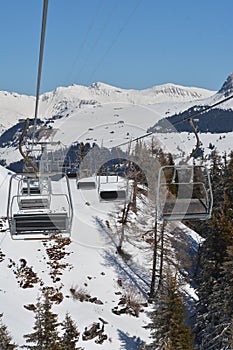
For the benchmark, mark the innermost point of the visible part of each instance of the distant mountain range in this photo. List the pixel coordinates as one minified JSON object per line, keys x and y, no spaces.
{"x":64,"y":100}
{"x":78,"y":113}
{"x":215,"y":120}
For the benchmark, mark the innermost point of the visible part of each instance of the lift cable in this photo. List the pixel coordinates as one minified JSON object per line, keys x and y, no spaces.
{"x":45,"y":10}
{"x":25,"y":155}
{"x":205,"y":109}
{"x":109,"y":48}
{"x":85,"y":41}
{"x":190,"y":118}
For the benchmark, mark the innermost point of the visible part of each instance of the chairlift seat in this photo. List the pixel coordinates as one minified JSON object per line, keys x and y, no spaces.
{"x":112,"y":188}
{"x":39,"y":222}
{"x":33,"y":203}
{"x":36,"y":216}
{"x":31,"y":190}
{"x":184,"y":193}
{"x":113,"y":195}
{"x":86,"y":185}
{"x":185,"y":209}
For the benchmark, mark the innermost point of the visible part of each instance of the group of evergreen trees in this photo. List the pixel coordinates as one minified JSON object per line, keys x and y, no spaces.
{"x":214,"y":317}
{"x":213,"y":324}
{"x":45,"y":335}
{"x":167,"y":327}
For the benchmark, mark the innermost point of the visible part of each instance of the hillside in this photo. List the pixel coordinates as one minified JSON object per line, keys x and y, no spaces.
{"x":110,"y":116}
{"x":62,"y":100}
{"x":89,"y":264}
{"x":88,"y":276}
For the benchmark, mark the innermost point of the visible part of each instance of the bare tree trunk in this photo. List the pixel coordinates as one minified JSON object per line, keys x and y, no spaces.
{"x":123,"y":222}
{"x":161,"y":256}
{"x":153,"y":276}
{"x":134,"y":197}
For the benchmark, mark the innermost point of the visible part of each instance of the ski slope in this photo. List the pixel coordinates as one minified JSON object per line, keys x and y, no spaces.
{"x":91,"y":252}
{"x":91,"y":266}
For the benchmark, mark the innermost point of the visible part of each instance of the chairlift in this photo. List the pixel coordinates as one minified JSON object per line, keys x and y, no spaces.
{"x":184,"y":193}
{"x":84,"y":181}
{"x":88,"y":183}
{"x":41,"y":214}
{"x":112,"y":188}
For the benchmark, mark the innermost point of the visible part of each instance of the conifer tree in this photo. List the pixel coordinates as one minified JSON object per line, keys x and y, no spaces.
{"x":45,"y":335}
{"x":168,"y":329}
{"x":71,"y":334}
{"x":5,"y":337}
{"x":215,"y":290}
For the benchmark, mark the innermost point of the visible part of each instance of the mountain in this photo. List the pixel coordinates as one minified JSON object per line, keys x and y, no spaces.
{"x":13,"y":107}
{"x":227,"y":88}
{"x":86,"y":276}
{"x":64,"y":100}
{"x":111,"y":116}
{"x":215,"y":120}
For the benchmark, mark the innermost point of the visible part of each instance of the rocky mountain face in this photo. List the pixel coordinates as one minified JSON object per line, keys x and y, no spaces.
{"x":227,"y":88}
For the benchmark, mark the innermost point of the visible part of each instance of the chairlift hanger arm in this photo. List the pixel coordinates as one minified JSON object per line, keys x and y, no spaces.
{"x":194,"y":151}
{"x":24,"y":155}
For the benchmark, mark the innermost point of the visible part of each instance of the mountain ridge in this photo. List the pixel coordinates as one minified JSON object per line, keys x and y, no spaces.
{"x":74,"y":96}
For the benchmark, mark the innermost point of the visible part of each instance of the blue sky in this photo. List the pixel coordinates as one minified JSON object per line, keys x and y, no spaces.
{"x":126,"y":43}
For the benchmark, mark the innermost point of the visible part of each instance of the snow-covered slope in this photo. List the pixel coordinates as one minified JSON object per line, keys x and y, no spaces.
{"x":14,"y":107}
{"x":64,"y":100}
{"x":89,"y":265}
{"x":108,"y":115}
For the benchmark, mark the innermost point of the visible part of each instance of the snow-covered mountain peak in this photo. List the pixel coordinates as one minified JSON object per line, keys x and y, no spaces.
{"x":178,"y":91}
{"x":227,"y":87}
{"x":154,"y":93}
{"x":102,"y":86}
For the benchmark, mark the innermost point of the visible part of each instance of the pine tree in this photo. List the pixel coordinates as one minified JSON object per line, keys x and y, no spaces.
{"x":168,"y":329}
{"x":5,"y":337}
{"x":45,"y":335}
{"x":215,"y":290}
{"x":71,"y":334}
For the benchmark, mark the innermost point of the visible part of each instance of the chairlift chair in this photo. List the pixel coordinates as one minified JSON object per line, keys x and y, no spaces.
{"x":88,"y":183}
{"x":184,"y":193}
{"x":112,"y":188}
{"x":84,"y":181}
{"x":40,"y":215}
{"x":33,"y":191}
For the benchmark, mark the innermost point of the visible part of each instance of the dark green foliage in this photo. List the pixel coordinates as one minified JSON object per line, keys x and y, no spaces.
{"x":5,"y":337}
{"x":45,"y":335}
{"x":215,"y":281}
{"x":168,"y":329}
{"x":71,"y":334}
{"x":215,"y":120}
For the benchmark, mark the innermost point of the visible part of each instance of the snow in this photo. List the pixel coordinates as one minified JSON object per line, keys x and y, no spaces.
{"x":94,"y":267}
{"x":65,"y":99}
{"x":117,"y":121}
{"x":108,"y":116}
{"x":88,"y":250}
